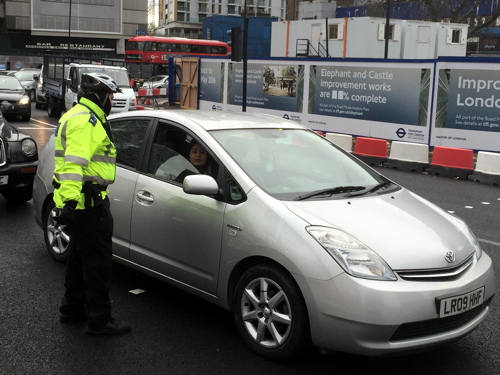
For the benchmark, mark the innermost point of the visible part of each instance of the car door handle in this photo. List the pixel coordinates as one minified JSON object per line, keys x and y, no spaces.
{"x":145,"y":196}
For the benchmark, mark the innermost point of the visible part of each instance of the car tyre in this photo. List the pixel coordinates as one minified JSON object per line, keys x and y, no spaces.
{"x":19,"y":195}
{"x":270,"y":313}
{"x":26,"y":116}
{"x":56,"y":236}
{"x":53,"y":110}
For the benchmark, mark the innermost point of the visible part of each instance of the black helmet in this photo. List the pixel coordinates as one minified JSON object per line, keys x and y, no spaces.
{"x":92,"y":82}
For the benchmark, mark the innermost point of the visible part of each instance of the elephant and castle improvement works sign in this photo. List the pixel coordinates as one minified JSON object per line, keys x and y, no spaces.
{"x":440,"y":103}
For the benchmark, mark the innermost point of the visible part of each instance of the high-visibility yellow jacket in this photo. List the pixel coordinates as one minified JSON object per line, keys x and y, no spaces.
{"x":83,"y":152}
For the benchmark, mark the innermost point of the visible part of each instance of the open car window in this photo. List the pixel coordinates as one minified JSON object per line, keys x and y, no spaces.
{"x":128,"y":136}
{"x":169,"y":156}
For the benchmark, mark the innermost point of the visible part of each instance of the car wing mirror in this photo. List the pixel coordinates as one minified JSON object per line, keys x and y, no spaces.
{"x":200,"y":184}
{"x":71,"y":85}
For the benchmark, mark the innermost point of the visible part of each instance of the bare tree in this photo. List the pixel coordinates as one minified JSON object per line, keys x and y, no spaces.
{"x":454,"y":11}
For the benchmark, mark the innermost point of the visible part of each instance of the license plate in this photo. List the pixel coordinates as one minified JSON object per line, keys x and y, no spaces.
{"x":462,"y":303}
{"x":4,"y":180}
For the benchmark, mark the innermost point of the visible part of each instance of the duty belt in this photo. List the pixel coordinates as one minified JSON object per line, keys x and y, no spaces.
{"x":91,"y":192}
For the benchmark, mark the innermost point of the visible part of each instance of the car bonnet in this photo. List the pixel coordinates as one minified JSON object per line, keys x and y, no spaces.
{"x":407,"y":231}
{"x":7,"y":131}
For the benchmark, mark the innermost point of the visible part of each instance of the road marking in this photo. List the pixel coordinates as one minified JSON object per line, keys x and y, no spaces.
{"x":489,"y":242}
{"x":44,"y":123}
{"x":25,"y":128}
{"x":51,"y":127}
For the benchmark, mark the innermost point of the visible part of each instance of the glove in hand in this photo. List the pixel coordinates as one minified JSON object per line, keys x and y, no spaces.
{"x":67,"y":213}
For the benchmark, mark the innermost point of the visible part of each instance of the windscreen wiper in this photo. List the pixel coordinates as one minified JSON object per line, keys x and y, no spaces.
{"x":370,"y":189}
{"x":330,"y":191}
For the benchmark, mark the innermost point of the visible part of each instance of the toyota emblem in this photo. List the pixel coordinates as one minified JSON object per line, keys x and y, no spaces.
{"x":449,"y":256}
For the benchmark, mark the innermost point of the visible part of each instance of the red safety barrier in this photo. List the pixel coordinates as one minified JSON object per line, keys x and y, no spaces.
{"x":149,"y":96}
{"x":372,"y":151}
{"x":450,"y":157}
{"x":152,"y":92}
{"x":371,"y":147}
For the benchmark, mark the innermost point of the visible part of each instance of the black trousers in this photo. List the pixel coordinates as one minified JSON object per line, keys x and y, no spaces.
{"x":88,"y":266}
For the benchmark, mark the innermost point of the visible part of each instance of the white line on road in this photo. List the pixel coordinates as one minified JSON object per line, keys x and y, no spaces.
{"x":26,"y":128}
{"x":40,"y":122}
{"x":489,"y":242}
{"x":43,"y":122}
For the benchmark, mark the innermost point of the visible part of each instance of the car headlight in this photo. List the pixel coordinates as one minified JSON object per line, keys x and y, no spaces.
{"x":462,"y":225}
{"x":473,"y":240}
{"x":24,"y":100}
{"x":352,"y":255}
{"x":475,"y":244}
{"x":29,"y":147}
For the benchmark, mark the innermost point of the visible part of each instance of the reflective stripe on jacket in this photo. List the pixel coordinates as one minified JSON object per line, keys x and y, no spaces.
{"x":83,"y":152}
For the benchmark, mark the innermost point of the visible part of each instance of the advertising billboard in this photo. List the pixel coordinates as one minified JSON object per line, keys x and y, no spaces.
{"x":383,"y":100}
{"x":467,"y":106}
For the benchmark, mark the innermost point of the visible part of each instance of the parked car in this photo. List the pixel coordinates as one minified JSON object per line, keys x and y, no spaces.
{"x":27,"y":78}
{"x":302,"y":241}
{"x":156,"y":82}
{"x":18,"y":163}
{"x":40,"y":99}
{"x":13,"y":98}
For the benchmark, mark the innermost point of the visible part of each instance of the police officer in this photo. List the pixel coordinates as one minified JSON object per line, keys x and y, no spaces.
{"x":85,"y":159}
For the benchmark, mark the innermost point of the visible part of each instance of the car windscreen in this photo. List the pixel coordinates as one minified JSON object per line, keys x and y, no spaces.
{"x":291,"y":163}
{"x":158,"y":79}
{"x":26,"y":75}
{"x":10,"y":83}
{"x":120,"y":76}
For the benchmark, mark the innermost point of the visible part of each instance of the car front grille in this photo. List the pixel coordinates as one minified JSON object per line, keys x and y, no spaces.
{"x":446,"y":274}
{"x":3,"y":157}
{"x":10,"y":101}
{"x":119,"y":103}
{"x":409,"y":331}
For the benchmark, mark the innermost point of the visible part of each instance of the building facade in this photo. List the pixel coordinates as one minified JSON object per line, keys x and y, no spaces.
{"x":87,"y":28}
{"x":183,"y":18}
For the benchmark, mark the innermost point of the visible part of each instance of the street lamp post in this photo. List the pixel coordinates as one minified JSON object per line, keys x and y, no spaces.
{"x":245,"y":56}
{"x":387,"y":20}
{"x":69,"y":24}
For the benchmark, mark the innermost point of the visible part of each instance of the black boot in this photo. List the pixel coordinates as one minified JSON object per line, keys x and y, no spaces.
{"x":112,"y":327}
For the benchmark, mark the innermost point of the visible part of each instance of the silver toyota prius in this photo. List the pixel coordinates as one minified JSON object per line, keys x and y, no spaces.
{"x":303,"y":242}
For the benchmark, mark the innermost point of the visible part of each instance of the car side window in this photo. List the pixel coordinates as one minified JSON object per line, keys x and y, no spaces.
{"x":235,"y":193}
{"x":168,"y":156}
{"x":128,"y":136}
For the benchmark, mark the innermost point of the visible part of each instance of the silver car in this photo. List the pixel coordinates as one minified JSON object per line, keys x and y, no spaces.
{"x":27,"y":77}
{"x":156,"y":82}
{"x":303,"y":242}
{"x":40,"y":99}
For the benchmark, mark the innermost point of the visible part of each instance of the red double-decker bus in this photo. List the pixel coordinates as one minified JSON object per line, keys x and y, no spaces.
{"x":147,"y":56}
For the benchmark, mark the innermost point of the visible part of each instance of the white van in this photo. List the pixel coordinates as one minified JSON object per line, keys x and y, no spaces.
{"x":122,"y":102}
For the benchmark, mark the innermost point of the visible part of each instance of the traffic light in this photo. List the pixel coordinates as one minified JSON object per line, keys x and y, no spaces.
{"x":236,"y":43}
